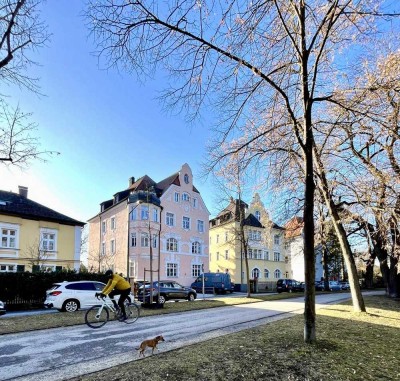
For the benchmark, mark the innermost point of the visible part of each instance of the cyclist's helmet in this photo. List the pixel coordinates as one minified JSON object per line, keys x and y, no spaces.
{"x":109,"y":273}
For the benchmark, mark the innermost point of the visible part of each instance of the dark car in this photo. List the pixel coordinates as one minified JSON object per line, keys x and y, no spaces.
{"x":319,"y":286}
{"x":2,"y":308}
{"x":289,"y":285}
{"x":169,"y":290}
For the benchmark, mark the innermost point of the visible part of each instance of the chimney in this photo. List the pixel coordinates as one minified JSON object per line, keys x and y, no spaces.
{"x":23,"y":191}
{"x":131,"y":181}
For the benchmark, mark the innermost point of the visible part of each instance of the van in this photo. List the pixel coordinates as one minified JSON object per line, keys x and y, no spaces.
{"x":219,"y":283}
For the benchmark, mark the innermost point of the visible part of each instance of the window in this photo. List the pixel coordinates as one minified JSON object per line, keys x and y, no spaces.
{"x":254,"y":235}
{"x":133,"y":214}
{"x":226,"y":254}
{"x":104,"y":227}
{"x":266,"y":255}
{"x":113,"y":226}
{"x":155,"y":215}
{"x":8,"y":268}
{"x":277,"y":256}
{"x":172,"y":270}
{"x":185,"y":197}
{"x":250,"y":253}
{"x":226,"y":236}
{"x":200,"y":226}
{"x":144,"y":240}
{"x":258,"y":215}
{"x":133,"y":240}
{"x":48,"y":240}
{"x":112,"y":246}
{"x":194,"y":202}
{"x":170,"y":219}
{"x":103,"y":248}
{"x":217,"y":255}
{"x":132,"y":269}
{"x":186,"y":223}
{"x":255,"y":273}
{"x":186,"y":178}
{"x":144,"y":212}
{"x":176,"y":196}
{"x":217,"y":238}
{"x":276,"y":239}
{"x":196,"y":270}
{"x":8,"y":238}
{"x":266,"y":273}
{"x":277,"y":274}
{"x":172,"y":244}
{"x":154,"y":239}
{"x":210,"y":240}
{"x":196,"y":248}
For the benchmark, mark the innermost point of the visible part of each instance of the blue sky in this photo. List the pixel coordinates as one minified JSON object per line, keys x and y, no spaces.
{"x":107,"y":125}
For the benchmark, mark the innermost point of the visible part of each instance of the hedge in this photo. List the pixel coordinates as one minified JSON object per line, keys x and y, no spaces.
{"x":25,"y":290}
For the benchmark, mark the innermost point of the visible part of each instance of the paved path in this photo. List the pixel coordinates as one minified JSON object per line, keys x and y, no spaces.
{"x":63,"y":353}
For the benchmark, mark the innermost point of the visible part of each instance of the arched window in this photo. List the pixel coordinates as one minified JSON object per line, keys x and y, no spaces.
{"x":255,"y":273}
{"x":266,"y":273}
{"x":277,"y":274}
{"x":172,"y":244}
{"x":196,"y":248}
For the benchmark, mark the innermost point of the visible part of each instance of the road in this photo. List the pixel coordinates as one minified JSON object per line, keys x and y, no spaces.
{"x":63,"y":353}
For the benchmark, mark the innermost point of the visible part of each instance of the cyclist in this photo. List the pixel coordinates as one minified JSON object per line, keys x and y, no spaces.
{"x":116,"y":285}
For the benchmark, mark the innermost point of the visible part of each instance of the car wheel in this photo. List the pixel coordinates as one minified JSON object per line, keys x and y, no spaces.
{"x":70,"y":305}
{"x":161,"y":299}
{"x":191,"y":297}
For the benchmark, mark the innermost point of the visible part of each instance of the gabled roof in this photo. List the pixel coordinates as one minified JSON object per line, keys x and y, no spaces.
{"x":251,"y":220}
{"x":294,"y":227}
{"x":13,"y":204}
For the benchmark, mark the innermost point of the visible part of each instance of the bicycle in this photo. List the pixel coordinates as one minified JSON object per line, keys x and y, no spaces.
{"x":97,"y":316}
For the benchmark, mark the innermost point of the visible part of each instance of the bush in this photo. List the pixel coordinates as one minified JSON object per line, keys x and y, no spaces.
{"x":28,"y":290}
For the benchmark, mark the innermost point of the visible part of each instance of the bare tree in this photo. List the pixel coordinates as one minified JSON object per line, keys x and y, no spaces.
{"x":21,"y":32}
{"x":264,"y":64}
{"x":37,"y":255}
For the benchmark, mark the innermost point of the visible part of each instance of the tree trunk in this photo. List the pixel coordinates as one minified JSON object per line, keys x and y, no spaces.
{"x":358,"y":301}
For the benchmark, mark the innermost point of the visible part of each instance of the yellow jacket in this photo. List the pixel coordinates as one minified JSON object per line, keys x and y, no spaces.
{"x":116,"y":282}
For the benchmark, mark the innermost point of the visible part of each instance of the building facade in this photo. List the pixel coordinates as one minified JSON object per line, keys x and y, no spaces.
{"x":265,"y":242}
{"x":152,"y":229}
{"x":34,"y":237}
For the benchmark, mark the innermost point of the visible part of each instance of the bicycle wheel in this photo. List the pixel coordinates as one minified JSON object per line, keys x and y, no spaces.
{"x":132,"y":312}
{"x":96,"y":316}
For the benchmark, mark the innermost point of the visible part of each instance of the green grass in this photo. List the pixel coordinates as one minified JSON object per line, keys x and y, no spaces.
{"x":350,"y":346}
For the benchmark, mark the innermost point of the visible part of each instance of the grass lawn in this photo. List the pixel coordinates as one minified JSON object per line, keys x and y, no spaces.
{"x":350,"y":346}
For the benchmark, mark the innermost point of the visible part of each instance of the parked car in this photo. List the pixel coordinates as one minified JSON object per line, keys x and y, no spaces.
{"x":169,"y":290}
{"x":334,"y":286}
{"x":220,"y":283}
{"x":71,"y":296}
{"x":2,"y":308}
{"x":345,"y":285}
{"x":288,"y":285}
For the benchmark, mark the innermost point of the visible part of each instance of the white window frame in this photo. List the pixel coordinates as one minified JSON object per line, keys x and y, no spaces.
{"x":266,"y":255}
{"x":185,"y":196}
{"x":172,"y":244}
{"x":196,"y":270}
{"x":104,"y":226}
{"x":170,"y":219}
{"x":172,"y":270}
{"x":254,"y":272}
{"x":112,"y":246}
{"x":155,"y":215}
{"x":8,"y":268}
{"x":277,"y":256}
{"x":144,"y":239}
{"x":200,"y":226}
{"x":113,"y":223}
{"x":144,"y":212}
{"x":196,"y":247}
{"x":277,"y":239}
{"x":133,"y":240}
{"x":9,"y":237}
{"x":186,"y":223}
{"x":45,"y":232}
{"x":266,"y":273}
{"x":277,"y":274}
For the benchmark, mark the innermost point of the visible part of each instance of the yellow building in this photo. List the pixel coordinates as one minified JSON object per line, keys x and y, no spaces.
{"x":34,"y":237}
{"x":265,"y":242}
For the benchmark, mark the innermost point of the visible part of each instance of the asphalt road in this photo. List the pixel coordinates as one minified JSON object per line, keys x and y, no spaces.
{"x":63,"y":353}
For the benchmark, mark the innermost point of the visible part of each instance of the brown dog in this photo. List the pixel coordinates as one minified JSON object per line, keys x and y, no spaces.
{"x":151,"y":343}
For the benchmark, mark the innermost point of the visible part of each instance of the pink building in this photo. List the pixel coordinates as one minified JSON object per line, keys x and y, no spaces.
{"x":152,"y":227}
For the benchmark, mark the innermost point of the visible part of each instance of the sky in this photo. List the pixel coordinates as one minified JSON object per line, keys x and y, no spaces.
{"x":106,"y":125}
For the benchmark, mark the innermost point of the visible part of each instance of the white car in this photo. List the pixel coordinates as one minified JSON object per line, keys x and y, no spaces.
{"x":71,"y":296}
{"x":2,"y":308}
